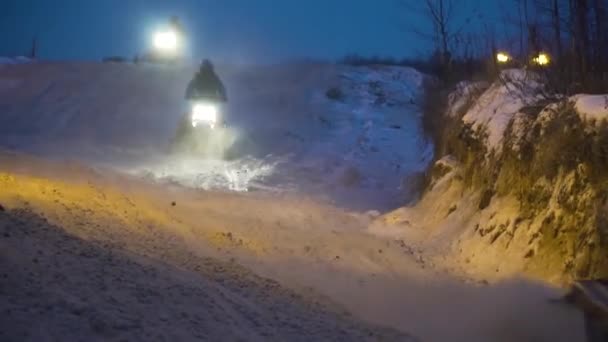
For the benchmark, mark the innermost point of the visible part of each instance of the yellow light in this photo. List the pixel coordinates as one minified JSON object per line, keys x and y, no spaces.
{"x":502,"y":57}
{"x":542,"y":59}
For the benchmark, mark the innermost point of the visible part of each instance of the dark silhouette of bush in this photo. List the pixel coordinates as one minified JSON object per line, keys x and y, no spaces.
{"x":115,"y":59}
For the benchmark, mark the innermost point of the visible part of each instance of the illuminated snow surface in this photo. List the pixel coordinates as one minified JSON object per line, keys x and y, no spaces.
{"x":358,"y":151}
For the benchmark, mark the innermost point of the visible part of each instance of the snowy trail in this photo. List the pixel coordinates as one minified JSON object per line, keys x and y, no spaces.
{"x":306,"y":246}
{"x":97,"y":290}
{"x":355,"y":152}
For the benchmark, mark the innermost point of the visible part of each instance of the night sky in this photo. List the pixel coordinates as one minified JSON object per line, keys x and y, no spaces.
{"x":231,"y":30}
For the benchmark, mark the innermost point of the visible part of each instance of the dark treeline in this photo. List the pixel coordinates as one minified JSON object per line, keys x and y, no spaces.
{"x":573,"y":33}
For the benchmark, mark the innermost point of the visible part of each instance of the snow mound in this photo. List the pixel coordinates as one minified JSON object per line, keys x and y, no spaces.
{"x":591,"y":107}
{"x":465,"y":91}
{"x":494,"y":110}
{"x":381,"y":85}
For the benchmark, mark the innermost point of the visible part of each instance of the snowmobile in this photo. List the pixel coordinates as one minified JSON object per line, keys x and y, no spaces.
{"x":203,"y":130}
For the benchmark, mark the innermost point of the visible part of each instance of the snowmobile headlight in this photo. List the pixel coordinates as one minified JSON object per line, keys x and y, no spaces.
{"x":165,"y":41}
{"x":204,"y":113}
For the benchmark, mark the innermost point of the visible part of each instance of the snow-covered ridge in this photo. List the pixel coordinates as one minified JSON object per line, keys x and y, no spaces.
{"x":513,"y":194}
{"x":591,"y":107}
{"x":495,"y":108}
{"x":465,"y":91}
{"x":500,"y":104}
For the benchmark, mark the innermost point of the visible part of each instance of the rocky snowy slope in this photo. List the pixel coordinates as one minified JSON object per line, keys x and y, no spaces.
{"x":519,"y":186}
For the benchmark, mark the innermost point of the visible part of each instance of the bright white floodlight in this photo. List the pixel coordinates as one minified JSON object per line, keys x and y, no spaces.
{"x":165,"y":41}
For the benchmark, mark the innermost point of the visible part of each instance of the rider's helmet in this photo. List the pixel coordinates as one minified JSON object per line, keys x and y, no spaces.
{"x":206,"y":65}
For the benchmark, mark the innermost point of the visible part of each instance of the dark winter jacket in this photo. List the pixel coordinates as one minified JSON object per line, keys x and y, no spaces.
{"x":206,"y":85}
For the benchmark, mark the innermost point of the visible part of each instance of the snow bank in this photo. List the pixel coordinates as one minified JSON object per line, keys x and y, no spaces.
{"x":544,"y":186}
{"x":381,"y":85}
{"x":495,"y":109}
{"x":591,"y":107}
{"x":465,"y":91}
{"x":502,"y":102}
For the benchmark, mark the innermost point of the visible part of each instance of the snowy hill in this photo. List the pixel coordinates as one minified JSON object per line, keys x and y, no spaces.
{"x":90,"y":103}
{"x":290,"y":135}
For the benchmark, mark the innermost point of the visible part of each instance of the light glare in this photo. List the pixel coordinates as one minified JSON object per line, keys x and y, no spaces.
{"x":502,"y":57}
{"x":204,"y":113}
{"x":542,"y":59}
{"x":165,"y":41}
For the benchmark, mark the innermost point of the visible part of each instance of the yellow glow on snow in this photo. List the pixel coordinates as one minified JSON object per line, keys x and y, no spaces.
{"x":78,"y":205}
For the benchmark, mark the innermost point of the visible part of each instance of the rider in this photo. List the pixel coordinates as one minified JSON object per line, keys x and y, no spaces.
{"x":176,"y":25}
{"x":206,"y":85}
